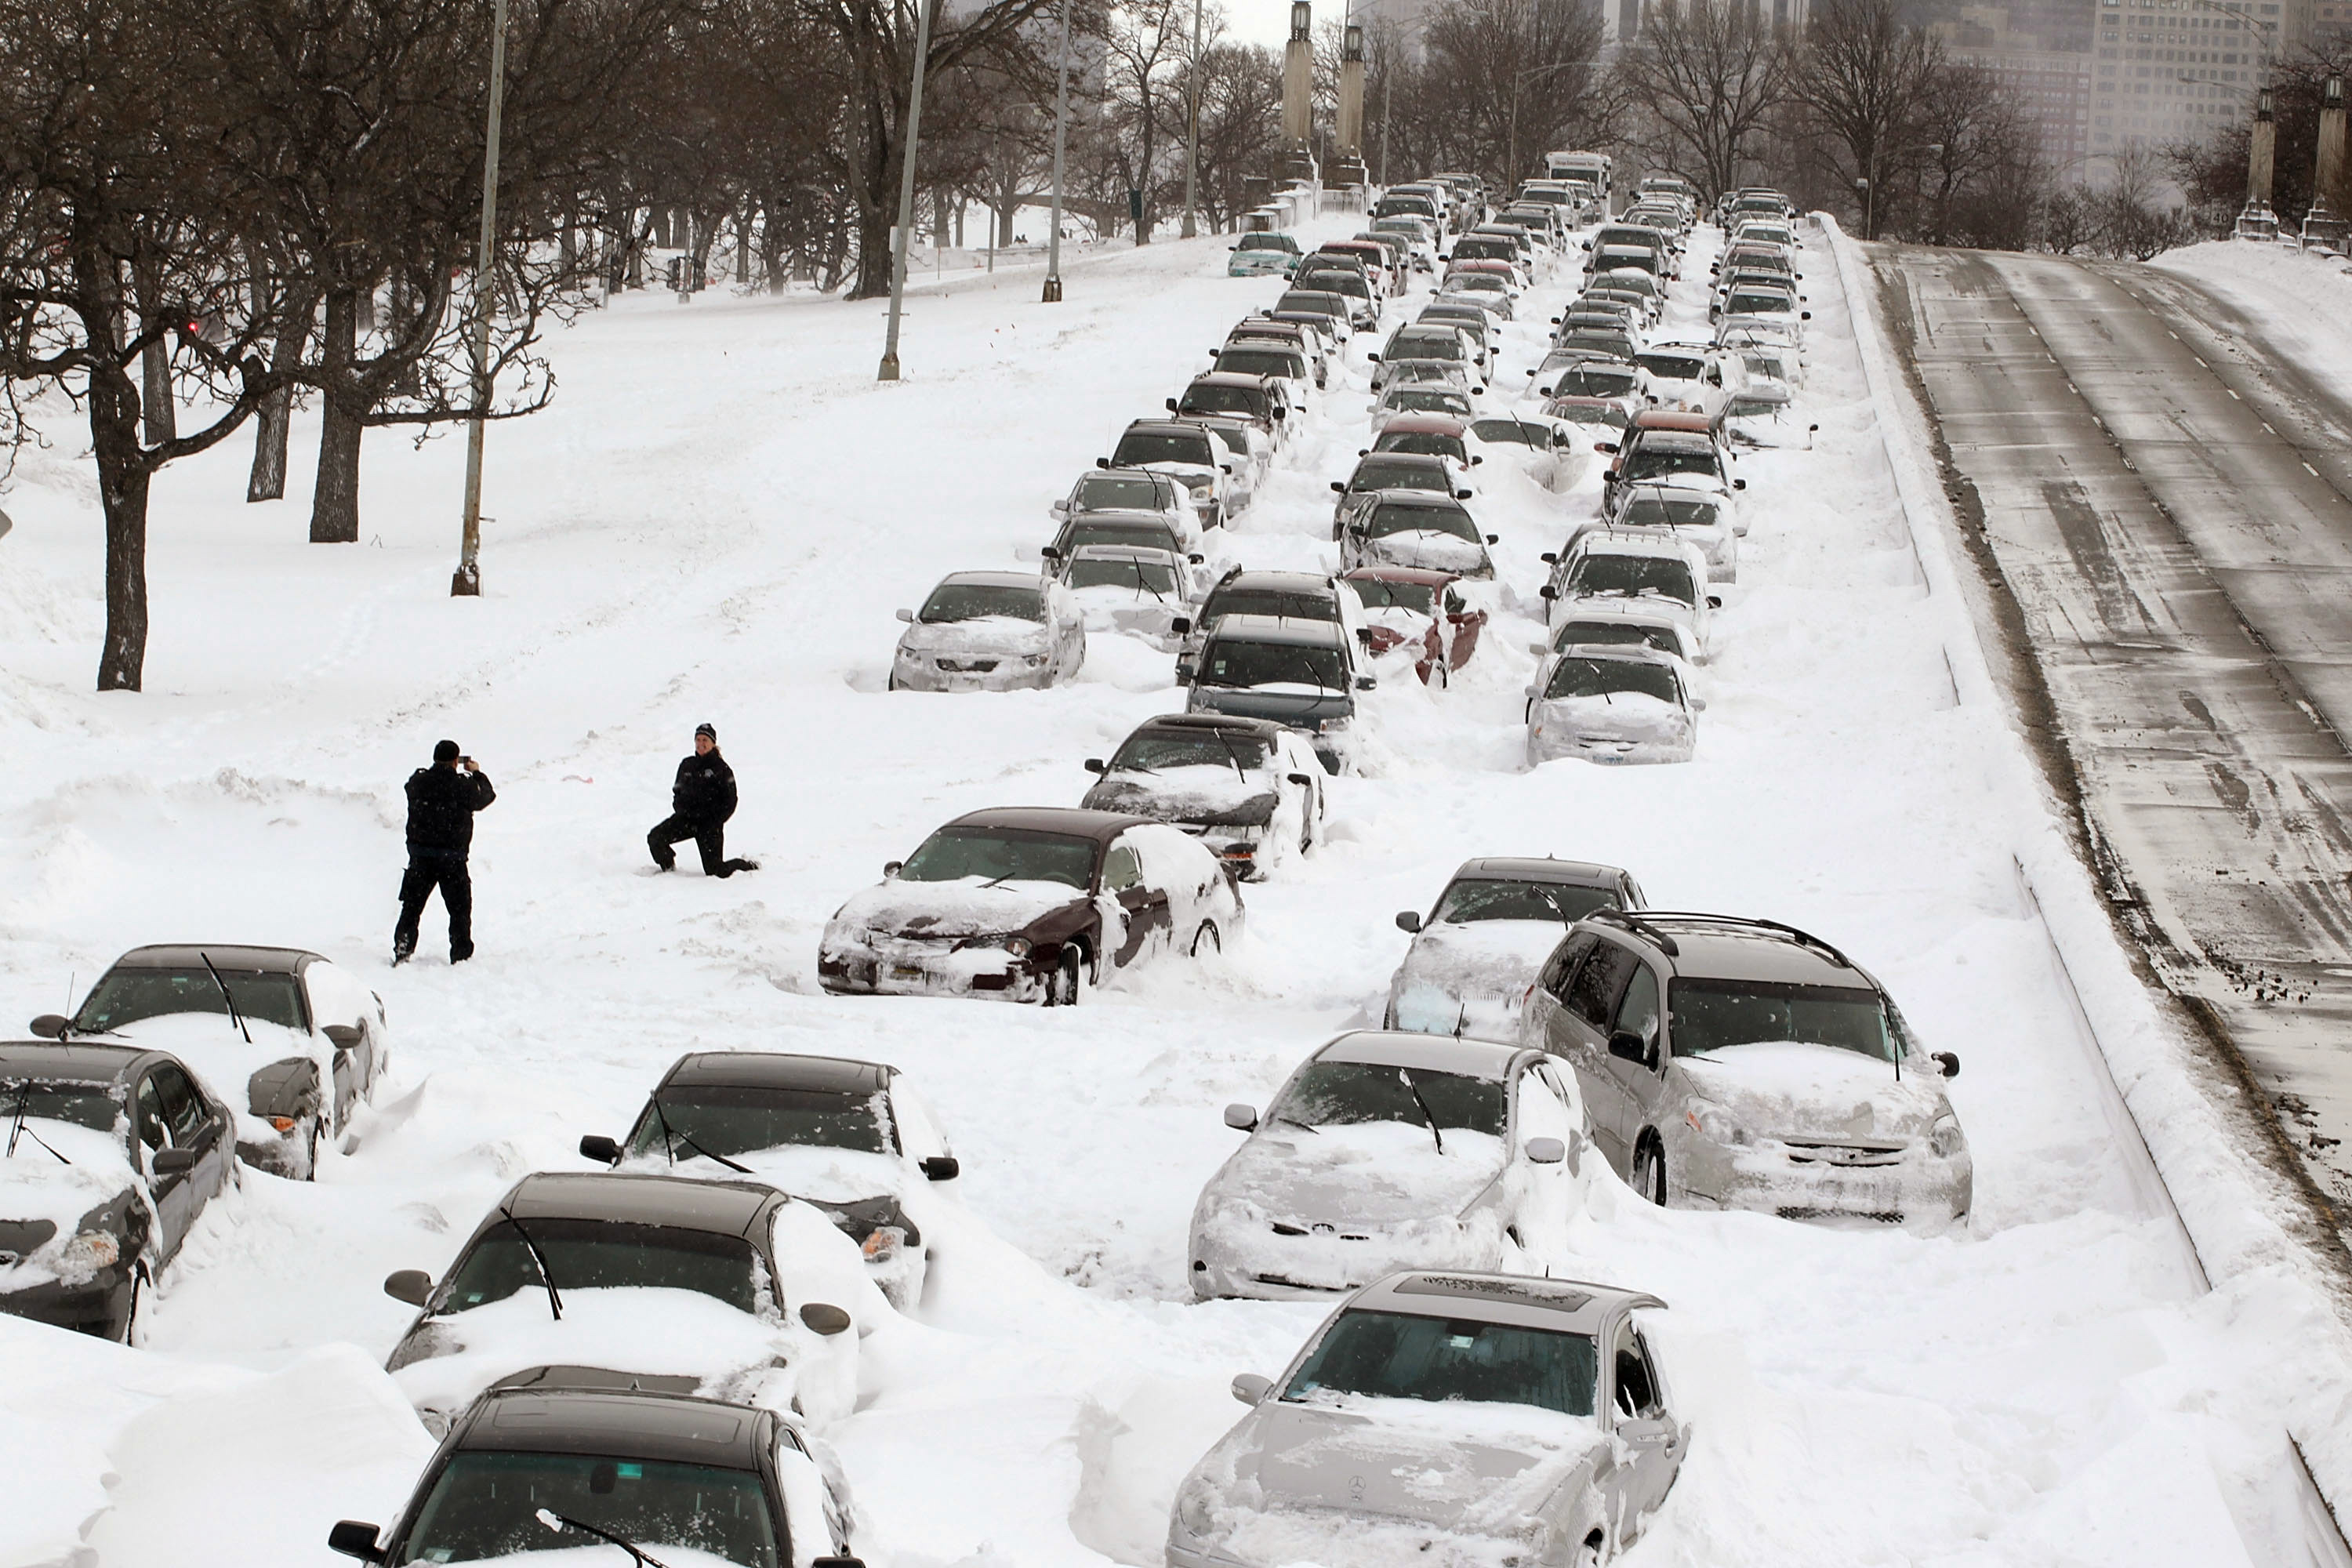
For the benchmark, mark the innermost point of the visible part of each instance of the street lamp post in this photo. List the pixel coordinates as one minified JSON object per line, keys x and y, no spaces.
{"x":889,"y":371}
{"x":1863,"y":188}
{"x":1511,"y":160}
{"x":1061,"y":133}
{"x":1192,"y":132}
{"x":466,"y":582}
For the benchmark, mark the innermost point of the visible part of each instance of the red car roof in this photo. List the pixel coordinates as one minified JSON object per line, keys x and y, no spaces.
{"x":1421,"y":575}
{"x":1425,"y":425}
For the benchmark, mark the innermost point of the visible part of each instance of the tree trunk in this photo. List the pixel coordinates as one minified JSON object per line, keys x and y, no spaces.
{"x":155,"y":365}
{"x":335,"y":498}
{"x":276,"y":414}
{"x":743,"y":244}
{"x":122,"y":481}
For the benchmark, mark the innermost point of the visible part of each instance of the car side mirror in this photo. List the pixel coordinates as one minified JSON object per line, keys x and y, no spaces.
{"x":1477,"y":392}
{"x":1541,"y":391}
{"x":838,"y":1562}
{"x":1547,"y":591}
{"x":1363,"y":451}
{"x":1301,"y":780}
{"x":1540,"y":649}
{"x":1097,"y":765}
{"x":51,"y":1025}
{"x":173,"y":1161}
{"x":823,"y":1318}
{"x":1698,"y":704}
{"x":1183,"y":624}
{"x":1250,"y":1388}
{"x":1492,"y":538}
{"x":1550,"y":558}
{"x":1196,"y":558}
{"x":356,"y":1538}
{"x":1366,"y":683}
{"x":1373,"y":358}
{"x":1465,"y":495}
{"x":1476,"y":459}
{"x":1408,"y":921}
{"x":410,"y":1285}
{"x":1059,"y":509}
{"x":1804,"y":315}
{"x":1715,"y":600}
{"x":1628,"y":1046}
{"x":1740,"y":484}
{"x":342,"y":1036}
{"x":1338,"y":487}
{"x":596,"y":1146}
{"x":906,"y":615}
{"x":1546,"y":1151}
{"x":939,"y":1167}
{"x":1102,"y":462}
{"x":1171,"y":406}
{"x":1949,"y":1061}
{"x":1609,"y":447}
{"x":891,"y":868}
{"x":1184,"y":672}
{"x":1241,"y":1118}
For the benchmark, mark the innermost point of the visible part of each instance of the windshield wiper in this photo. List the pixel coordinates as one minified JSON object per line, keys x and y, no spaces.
{"x":538,"y":1261}
{"x":1315,"y":679}
{"x":560,"y":1522}
{"x":1236,"y":756}
{"x":671,"y":1138}
{"x":1414,"y":1090}
{"x":233,"y":1016}
{"x":17,"y":1128}
{"x":1293,"y":1121}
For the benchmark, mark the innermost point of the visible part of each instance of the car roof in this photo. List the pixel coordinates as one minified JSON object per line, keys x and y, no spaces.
{"x":1429,"y":461}
{"x":1070,"y":821}
{"x":75,"y":1062}
{"x":725,"y":1208}
{"x":1231,"y":723}
{"x":1421,"y":575}
{"x":623,"y":1425}
{"x":1563,"y":1306}
{"x":1277,"y":629}
{"x":1523,"y":868}
{"x":1229,"y":378}
{"x":228,"y":955}
{"x":1120,"y":551}
{"x":1616,"y":653}
{"x":1631,"y":614}
{"x":1142,"y":517}
{"x":1285,"y":581}
{"x":1166,"y":426}
{"x":1660,"y":420}
{"x":776,"y":1069}
{"x":1645,"y":542}
{"x":1423,"y":500}
{"x":1732,"y":947}
{"x":1013,"y":579}
{"x":1437,"y":1052}
{"x":1423,"y":425}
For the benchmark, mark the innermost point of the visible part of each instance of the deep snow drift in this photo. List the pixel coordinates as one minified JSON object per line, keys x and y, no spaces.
{"x":715,"y":522}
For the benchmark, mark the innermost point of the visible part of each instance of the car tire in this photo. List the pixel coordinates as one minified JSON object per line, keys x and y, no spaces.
{"x":310,"y":1152}
{"x":1591,"y":1553}
{"x":892,"y":684}
{"x":1069,"y":980}
{"x":134,"y":1331}
{"x":1650,"y":1172}
{"x":1440,"y":676}
{"x":1206,"y":942}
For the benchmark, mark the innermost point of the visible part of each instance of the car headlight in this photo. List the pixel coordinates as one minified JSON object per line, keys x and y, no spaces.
{"x":1945,"y":1137}
{"x":1192,"y":1500}
{"x":1034,"y":660}
{"x":1716,"y":1124}
{"x":80,"y":1258}
{"x":882,"y":1243}
{"x":909,"y":654}
{"x":1018,"y":946}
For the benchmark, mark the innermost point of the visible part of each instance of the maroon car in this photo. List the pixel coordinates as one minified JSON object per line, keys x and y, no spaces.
{"x":1403,"y":604}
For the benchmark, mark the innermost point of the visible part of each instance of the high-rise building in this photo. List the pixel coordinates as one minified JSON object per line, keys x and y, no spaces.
{"x":2177,"y":70}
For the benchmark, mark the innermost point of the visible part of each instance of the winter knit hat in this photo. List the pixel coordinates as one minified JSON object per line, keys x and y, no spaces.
{"x":446,"y":752}
{"x":701,"y":729}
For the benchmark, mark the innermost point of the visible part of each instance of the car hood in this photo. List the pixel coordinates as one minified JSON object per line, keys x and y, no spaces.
{"x":966,"y":906}
{"x":218,"y":1054}
{"x":1373,"y":1175}
{"x":1788,"y":1089}
{"x":819,"y":1175}
{"x":986,"y":634}
{"x":1471,"y":974}
{"x":1211,"y":796}
{"x":1430,"y":550}
{"x":43,"y":1202}
{"x":1308,"y":1482}
{"x":1184,"y":473}
{"x":1621,"y":716}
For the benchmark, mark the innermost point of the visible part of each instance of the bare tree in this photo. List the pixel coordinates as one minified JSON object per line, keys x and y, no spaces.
{"x":1864,"y":75}
{"x":1710,"y":73}
{"x":1144,"y":51}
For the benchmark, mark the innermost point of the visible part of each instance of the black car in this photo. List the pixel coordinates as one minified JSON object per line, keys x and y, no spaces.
{"x":597,"y":1462}
{"x":126,"y":1138}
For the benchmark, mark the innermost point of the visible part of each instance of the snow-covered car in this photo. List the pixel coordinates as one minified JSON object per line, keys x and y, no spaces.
{"x":112,"y":1152}
{"x":1701,"y":518}
{"x":1412,"y":528}
{"x":1306,"y":338}
{"x":1538,"y":448}
{"x":1130,"y":589}
{"x":851,"y":1138}
{"x":1759,"y":415}
{"x":1683,"y":374}
{"x":1455,"y":1418}
{"x":1262,"y":256}
{"x":1329,"y":305}
{"x":1730,"y":1063}
{"x":989,"y":631}
{"x":1632,"y":571}
{"x":1390,"y":469}
{"x":1408,"y":399}
{"x":1591,"y":421}
{"x":1393,"y":1151}
{"x":1656,"y":452}
{"x":1420,"y":612}
{"x":1248,"y":452}
{"x":1326,"y":275}
{"x":1297,"y":671}
{"x":573,"y":1468}
{"x":1482,"y":319}
{"x":1498,"y":918}
{"x":1186,"y":453}
{"x":1616,"y":703}
{"x":1262,"y":400}
{"x":1250,"y":789}
{"x":1030,"y":904}
{"x":299,"y":1039}
{"x":1616,"y":623}
{"x":1130,"y":491}
{"x":733,"y":1288}
{"x":1583,"y":374}
{"x":1284,"y":362}
{"x":1294,"y":595}
{"x":1135,"y":530}
{"x":1441,"y":340}
{"x":1432,"y":435}
{"x":1419,"y":234}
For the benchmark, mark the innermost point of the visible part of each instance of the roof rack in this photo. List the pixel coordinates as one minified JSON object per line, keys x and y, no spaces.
{"x":1635,"y":923}
{"x":1803,"y":937}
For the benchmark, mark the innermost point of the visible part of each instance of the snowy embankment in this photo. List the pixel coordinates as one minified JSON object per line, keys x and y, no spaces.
{"x":2303,"y":300}
{"x":715,"y":522}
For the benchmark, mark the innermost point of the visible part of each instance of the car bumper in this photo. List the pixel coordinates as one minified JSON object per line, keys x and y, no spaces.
{"x":100,"y":1306}
{"x":1243,"y":1258}
{"x":930,"y":678}
{"x":1542,"y":749}
{"x":1921,"y":1191}
{"x":888,"y":969}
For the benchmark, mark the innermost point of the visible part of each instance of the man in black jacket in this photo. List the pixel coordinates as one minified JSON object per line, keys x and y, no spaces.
{"x":442,"y":800}
{"x":700,"y":802}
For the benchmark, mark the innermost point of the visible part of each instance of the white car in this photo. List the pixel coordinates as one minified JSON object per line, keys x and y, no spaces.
{"x":1685,"y":376}
{"x":1614,"y":704}
{"x":1247,"y":449}
{"x":1128,"y":492}
{"x":1696,"y":515}
{"x":1541,"y":448}
{"x":1132,"y":590}
{"x":1759,"y":415}
{"x":989,"y":631}
{"x":1602,"y":623}
{"x":1632,"y":570}
{"x":1497,"y":921}
{"x":1404,"y":397}
{"x":1393,"y":1150}
{"x":729,"y":1290}
{"x":851,"y":1139}
{"x":1250,"y":790}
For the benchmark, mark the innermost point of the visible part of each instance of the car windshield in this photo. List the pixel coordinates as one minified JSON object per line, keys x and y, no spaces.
{"x":1616,"y":633}
{"x":1608,"y":414}
{"x":1002,"y":855}
{"x":1425,"y":345}
{"x":1617,"y":344}
{"x":1083,"y":532}
{"x":1281,"y":242}
{"x":1346,"y":1094}
{"x":1427,"y":443}
{"x":1426,"y":400}
{"x":1234,"y":438}
{"x":1318,"y":303}
{"x":1476,"y":283}
{"x":486,"y":1504}
{"x":589,"y":1255}
{"x":1714,"y":1014}
{"x":1398,"y":1355}
{"x":1156,"y":447}
{"x":1575,"y":676}
{"x":1156,"y":578}
{"x":1199,"y":399}
{"x":1153,"y":753}
{"x":1472,"y":899}
{"x":1512,"y":431}
{"x":1372,"y":474}
{"x":1260,"y":362}
{"x":1338,"y":280}
{"x":1751,"y":408}
{"x":90,"y":1105}
{"x":1673,"y":367}
{"x":1245,"y":601}
{"x":126,"y":996}
{"x":1759,"y":304}
{"x":1388,"y":519}
{"x":1419,"y":597}
{"x":1589,"y":380}
{"x":1633,"y":575}
{"x":1483,"y":249}
{"x":1668,"y":512}
{"x":1122,"y":493}
{"x":982,"y":601}
{"x":742,"y":1120}
{"x":1233,"y":662}
{"x":1652,"y":459}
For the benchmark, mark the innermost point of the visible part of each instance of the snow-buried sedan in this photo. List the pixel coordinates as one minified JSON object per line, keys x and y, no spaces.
{"x":1453,"y":1420}
{"x":1250,"y":789}
{"x":1030,"y":904}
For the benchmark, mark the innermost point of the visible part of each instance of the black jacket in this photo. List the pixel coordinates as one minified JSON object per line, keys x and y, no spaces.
{"x":441,"y":806}
{"x":704,"y":790}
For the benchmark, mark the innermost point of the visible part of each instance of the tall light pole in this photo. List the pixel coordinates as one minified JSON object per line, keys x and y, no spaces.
{"x":1192,"y":132}
{"x":1511,"y":160}
{"x":466,"y":582}
{"x":1061,"y":133}
{"x":889,"y":371}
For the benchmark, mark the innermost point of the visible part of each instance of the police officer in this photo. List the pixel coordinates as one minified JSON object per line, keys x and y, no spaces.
{"x":701,"y":800}
{"x":442,"y":800}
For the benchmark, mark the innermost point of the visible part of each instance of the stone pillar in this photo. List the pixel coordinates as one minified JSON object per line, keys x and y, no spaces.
{"x":1351,"y":94}
{"x":2323,"y":227}
{"x":2257,"y":221}
{"x":1298,"y":79}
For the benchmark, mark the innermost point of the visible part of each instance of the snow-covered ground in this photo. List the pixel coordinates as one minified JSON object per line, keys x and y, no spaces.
{"x":2299,"y":296}
{"x":715,"y":522}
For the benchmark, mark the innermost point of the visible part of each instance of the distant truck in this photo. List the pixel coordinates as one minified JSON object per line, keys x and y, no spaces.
{"x":1594,"y":168}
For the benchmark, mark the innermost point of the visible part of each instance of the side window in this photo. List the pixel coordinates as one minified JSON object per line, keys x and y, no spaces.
{"x":1563,"y":961}
{"x":1638,"y":1013}
{"x":150,"y":1113}
{"x":1543,"y":1111}
{"x":1592,"y":993}
{"x":1122,"y":869}
{"x":1637,"y":1388}
{"x":183,"y":1108}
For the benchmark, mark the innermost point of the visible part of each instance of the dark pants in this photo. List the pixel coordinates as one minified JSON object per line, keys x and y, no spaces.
{"x":709,"y":840}
{"x":428,"y":869}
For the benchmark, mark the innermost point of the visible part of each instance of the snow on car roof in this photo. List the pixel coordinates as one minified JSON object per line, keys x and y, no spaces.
{"x":1727,"y":947}
{"x":192,"y":955}
{"x":622,"y":1425}
{"x":1232,"y":724}
{"x":1280,"y":628}
{"x":1421,"y":575}
{"x":1647,"y":545}
{"x":723,"y":1207}
{"x":1435,"y":1053}
{"x":1075,"y":821}
{"x":1010,"y":579}
{"x":778,"y":1070}
{"x":1421,"y":424}
{"x":81,"y":1062}
{"x":1574,"y":1306}
{"x":1521,"y":869}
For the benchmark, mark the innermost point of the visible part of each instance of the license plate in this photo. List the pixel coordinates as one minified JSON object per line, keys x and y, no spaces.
{"x":906,"y":972}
